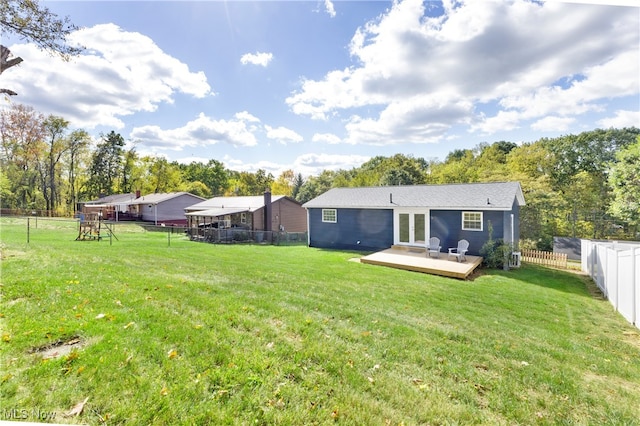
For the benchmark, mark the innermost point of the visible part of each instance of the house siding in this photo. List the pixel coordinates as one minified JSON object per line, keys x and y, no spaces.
{"x":447,"y":225}
{"x":169,"y":210}
{"x":372,"y":228}
{"x":290,"y":215}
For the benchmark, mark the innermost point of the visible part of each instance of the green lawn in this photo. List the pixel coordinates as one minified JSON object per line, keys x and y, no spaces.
{"x":192,"y":333}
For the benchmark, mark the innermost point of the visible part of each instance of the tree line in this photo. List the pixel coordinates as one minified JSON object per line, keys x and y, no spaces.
{"x":585,"y":185}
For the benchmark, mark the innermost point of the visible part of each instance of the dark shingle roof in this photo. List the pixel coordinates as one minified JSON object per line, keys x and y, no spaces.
{"x":485,"y":196}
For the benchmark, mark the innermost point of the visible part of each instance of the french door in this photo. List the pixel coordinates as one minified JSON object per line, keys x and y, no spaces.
{"x":411,"y":227}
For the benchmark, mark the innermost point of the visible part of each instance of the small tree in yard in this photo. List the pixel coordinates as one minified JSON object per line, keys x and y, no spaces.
{"x":495,"y":253}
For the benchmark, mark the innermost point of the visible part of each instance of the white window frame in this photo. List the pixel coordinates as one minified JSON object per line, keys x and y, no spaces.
{"x":243,"y":218}
{"x":464,"y":214}
{"x":329,"y":212}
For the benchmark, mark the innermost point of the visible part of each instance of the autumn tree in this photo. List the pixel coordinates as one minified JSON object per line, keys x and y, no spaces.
{"x":458,"y":167}
{"x":163,"y":176}
{"x":49,"y":172}
{"x":78,"y":150}
{"x":247,"y":183}
{"x":283,"y":185}
{"x":33,"y":22}
{"x":21,"y":140}
{"x":131,"y":172}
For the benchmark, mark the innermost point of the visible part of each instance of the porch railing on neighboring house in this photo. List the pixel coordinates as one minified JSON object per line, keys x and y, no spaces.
{"x":239,"y":235}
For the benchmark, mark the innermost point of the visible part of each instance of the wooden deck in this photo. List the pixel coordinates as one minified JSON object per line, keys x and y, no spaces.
{"x":416,"y":259}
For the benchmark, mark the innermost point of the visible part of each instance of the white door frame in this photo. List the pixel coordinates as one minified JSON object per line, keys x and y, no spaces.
{"x":411,"y":212}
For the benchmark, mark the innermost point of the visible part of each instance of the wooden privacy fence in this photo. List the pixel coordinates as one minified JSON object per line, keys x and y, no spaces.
{"x":547,"y":258}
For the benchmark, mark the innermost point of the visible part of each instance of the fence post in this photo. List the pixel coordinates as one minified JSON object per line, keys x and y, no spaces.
{"x":28,"y":228}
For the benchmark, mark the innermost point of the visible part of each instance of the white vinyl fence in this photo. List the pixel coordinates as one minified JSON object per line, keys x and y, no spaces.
{"x":615,"y":268}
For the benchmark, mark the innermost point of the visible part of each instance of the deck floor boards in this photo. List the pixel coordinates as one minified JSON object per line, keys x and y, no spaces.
{"x":418,"y":261}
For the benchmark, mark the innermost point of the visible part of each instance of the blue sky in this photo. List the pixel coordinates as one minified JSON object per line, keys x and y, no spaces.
{"x":313,"y":85}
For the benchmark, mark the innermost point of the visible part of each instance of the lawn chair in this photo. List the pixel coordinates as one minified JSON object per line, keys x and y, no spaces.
{"x":460,"y":251}
{"x":434,"y":247}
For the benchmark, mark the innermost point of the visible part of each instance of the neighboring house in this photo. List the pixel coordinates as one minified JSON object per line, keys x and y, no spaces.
{"x":112,"y":207}
{"x":164,"y":208}
{"x":255,"y":213}
{"x":376,"y":218}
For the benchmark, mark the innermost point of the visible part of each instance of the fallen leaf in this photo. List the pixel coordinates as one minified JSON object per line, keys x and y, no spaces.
{"x":100,"y":316}
{"x":416,"y":381}
{"x":172,"y":353}
{"x":129,"y":325}
{"x":77,"y":409}
{"x":371,"y":380}
{"x":524,"y":363}
{"x":164,"y":391}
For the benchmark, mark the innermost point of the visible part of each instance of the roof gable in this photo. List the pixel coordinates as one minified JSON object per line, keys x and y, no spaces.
{"x":485,"y":196}
{"x":160,"y":198}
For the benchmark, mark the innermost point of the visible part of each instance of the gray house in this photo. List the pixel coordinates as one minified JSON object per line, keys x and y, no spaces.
{"x":376,"y":218}
{"x":164,"y":208}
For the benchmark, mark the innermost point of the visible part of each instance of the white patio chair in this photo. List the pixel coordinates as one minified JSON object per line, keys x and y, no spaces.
{"x":460,"y":251}
{"x":433,"y":249}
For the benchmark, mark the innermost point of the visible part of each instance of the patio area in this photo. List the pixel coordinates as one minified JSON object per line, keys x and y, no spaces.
{"x":416,"y":259}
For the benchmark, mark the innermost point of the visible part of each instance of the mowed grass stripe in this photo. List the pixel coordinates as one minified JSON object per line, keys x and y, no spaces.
{"x":231,"y":334}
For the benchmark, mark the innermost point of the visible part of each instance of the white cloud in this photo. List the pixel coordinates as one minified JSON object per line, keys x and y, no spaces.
{"x":415,"y":77}
{"x":119,"y":74}
{"x":313,"y":164}
{"x":245,"y":116}
{"x":553,"y":124}
{"x":257,"y":58}
{"x":307,"y":164}
{"x":329,"y":138}
{"x":283,"y":135}
{"x":623,"y":118}
{"x":203,"y":131}
{"x":328,"y":7}
{"x":240,"y":166}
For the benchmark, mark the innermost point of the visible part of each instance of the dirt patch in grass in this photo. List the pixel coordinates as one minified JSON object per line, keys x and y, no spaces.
{"x":59,"y":348}
{"x":7,"y":253}
{"x":632,"y":338}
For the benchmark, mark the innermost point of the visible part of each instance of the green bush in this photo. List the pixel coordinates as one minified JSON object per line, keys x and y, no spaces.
{"x":495,"y":253}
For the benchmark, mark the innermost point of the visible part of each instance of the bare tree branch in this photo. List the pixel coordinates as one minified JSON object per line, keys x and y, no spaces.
{"x":5,"y":62}
{"x":37,"y":24}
